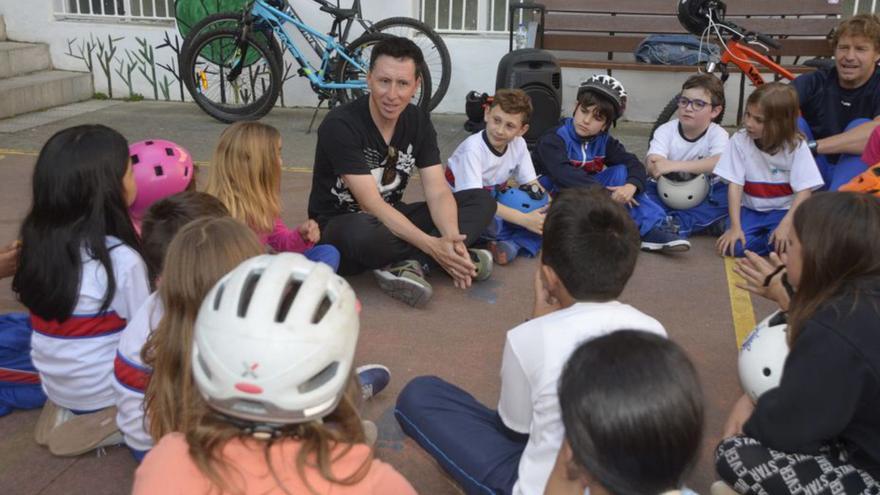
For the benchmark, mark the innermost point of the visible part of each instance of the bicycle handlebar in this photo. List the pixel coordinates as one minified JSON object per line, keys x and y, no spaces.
{"x":746,"y":34}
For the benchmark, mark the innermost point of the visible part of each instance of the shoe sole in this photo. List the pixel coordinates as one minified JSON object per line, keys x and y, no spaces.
{"x":402,"y":289}
{"x":679,"y":246}
{"x":83,"y":433}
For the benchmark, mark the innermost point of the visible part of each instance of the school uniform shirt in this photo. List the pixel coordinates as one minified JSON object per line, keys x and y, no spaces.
{"x":670,"y":143}
{"x":131,"y":375}
{"x":830,"y":387}
{"x":350,"y":143}
{"x":75,"y":357}
{"x":169,"y":470}
{"x":769,"y":181}
{"x":572,"y":161}
{"x":534,"y":355}
{"x":476,"y":164}
{"x":828,"y":108}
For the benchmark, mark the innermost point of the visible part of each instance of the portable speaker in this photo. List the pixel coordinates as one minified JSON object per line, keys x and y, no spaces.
{"x":536,"y":72}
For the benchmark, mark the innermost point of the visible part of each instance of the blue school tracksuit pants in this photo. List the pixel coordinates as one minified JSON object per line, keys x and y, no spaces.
{"x":19,"y":381}
{"x":693,"y":220}
{"x":757,"y":226}
{"x":468,"y":439}
{"x":847,"y":166}
{"x":647,"y":215}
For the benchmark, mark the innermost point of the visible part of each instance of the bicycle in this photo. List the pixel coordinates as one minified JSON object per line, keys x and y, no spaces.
{"x":434,"y":49}
{"x":706,"y":19}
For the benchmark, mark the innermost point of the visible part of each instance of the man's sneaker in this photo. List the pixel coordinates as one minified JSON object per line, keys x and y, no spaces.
{"x":483,"y":261}
{"x":503,"y":252}
{"x":660,"y":239}
{"x":405,"y":281}
{"x":373,"y":379}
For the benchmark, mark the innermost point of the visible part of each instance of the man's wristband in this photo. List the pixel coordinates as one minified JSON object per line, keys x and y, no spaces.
{"x":813,"y":146}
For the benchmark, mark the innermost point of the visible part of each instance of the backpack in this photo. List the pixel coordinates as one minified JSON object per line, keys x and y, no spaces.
{"x":675,"y":49}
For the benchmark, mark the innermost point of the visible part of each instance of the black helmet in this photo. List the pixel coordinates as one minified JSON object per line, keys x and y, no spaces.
{"x":694,"y":14}
{"x":608,"y":87}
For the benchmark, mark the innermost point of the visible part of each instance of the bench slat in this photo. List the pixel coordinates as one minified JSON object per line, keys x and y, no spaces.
{"x":557,"y":21}
{"x":612,"y":65}
{"x":734,"y":7}
{"x":582,"y":42}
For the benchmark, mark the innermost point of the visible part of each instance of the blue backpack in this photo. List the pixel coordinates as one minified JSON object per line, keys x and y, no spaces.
{"x":675,"y":49}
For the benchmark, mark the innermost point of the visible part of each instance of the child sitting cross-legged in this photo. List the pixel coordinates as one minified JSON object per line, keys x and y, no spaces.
{"x":590,"y":249}
{"x":683,"y":153}
{"x":581,"y":153}
{"x":495,"y":156}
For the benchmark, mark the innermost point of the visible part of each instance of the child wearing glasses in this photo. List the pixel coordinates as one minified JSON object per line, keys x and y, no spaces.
{"x":769,"y":170}
{"x":681,"y":157}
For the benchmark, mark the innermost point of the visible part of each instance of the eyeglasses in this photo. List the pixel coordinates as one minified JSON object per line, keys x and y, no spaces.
{"x":390,"y":171}
{"x":684,"y":102}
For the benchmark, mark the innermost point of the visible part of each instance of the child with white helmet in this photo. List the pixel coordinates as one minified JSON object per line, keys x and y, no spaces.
{"x":272,"y":360}
{"x":581,"y":153}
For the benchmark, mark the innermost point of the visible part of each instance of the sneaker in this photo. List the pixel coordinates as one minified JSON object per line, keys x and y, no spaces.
{"x":85,"y":432}
{"x":503,"y":252}
{"x":716,"y":228}
{"x":50,"y":418}
{"x":660,"y":239}
{"x":483,"y":261}
{"x":373,"y":379}
{"x":405,"y":281}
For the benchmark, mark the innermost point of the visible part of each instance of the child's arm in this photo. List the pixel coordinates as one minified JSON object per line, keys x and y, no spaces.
{"x":658,"y":165}
{"x":735,"y":233}
{"x":285,"y":240}
{"x":550,"y":153}
{"x":533,"y":221}
{"x":781,"y":237}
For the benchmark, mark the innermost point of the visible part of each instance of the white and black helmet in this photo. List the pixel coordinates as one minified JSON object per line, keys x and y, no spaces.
{"x":275,"y":339}
{"x":682,"y":190}
{"x":762,"y":356}
{"x":606,"y":86}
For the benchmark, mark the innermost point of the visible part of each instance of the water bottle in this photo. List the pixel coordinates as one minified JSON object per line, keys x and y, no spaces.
{"x":520,"y":37}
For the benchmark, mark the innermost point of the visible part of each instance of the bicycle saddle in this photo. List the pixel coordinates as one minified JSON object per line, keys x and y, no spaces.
{"x":340,"y":14}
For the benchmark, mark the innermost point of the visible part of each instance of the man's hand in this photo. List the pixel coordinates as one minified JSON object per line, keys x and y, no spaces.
{"x":9,"y":258}
{"x":726,"y":244}
{"x":310,"y":231}
{"x":452,"y":255}
{"x":624,"y":194}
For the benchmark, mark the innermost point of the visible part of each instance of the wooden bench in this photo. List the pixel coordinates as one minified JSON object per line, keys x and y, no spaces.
{"x":603,"y":34}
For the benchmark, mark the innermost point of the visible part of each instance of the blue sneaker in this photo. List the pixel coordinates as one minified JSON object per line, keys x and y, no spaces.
{"x":662,"y":239}
{"x":373,"y":379}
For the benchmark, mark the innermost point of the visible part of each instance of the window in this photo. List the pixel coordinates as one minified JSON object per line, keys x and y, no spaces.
{"x":466,"y":16}
{"x":125,"y":9}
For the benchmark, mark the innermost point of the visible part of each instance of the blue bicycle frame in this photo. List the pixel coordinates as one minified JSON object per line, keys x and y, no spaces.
{"x":277,"y":18}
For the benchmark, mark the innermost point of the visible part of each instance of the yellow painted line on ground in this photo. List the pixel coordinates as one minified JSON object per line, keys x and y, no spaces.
{"x":200,"y":163}
{"x":740,"y":303}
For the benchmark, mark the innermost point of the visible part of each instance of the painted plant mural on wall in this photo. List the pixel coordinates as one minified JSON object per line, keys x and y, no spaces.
{"x":157,"y":65}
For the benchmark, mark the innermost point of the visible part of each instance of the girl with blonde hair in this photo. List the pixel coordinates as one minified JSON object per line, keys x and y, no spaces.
{"x":246,"y":177}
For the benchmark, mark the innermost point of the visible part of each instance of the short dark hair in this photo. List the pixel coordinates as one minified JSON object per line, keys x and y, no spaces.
{"x":633,"y":413}
{"x":397,"y":47}
{"x":591,"y":243}
{"x":708,"y":83}
{"x":166,"y":216}
{"x":605,"y":106}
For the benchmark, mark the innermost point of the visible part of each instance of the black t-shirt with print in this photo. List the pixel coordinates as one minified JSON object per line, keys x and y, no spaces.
{"x":350,"y":143}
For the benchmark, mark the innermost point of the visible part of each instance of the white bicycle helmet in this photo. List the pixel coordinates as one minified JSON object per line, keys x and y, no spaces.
{"x":682,"y":191}
{"x":608,"y":87}
{"x":275,"y":339}
{"x":762,"y":356}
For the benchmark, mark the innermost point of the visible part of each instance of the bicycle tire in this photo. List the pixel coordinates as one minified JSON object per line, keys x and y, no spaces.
{"x":345,"y":72}
{"x":434,"y":50}
{"x":669,"y":111}
{"x":229,"y":20}
{"x":251,"y":109}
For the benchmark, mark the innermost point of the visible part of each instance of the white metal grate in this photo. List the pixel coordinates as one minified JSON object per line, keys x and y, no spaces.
{"x":122,"y":9}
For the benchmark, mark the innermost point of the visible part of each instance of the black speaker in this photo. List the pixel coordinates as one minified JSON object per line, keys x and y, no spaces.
{"x":536,"y":72}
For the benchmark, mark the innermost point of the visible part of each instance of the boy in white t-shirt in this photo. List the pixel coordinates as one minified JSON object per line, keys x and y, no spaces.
{"x":492,"y":158}
{"x":589,"y":253}
{"x":683,"y":153}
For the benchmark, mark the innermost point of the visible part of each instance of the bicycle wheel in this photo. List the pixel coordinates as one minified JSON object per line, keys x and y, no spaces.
{"x":668,"y":113}
{"x":433,"y":49}
{"x":360,"y":50}
{"x":222,"y":20}
{"x":232,"y":80}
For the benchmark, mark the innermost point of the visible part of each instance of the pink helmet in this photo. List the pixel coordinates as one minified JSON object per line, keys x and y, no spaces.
{"x":161,"y":168}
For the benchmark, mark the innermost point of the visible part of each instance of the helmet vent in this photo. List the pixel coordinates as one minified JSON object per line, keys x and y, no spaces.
{"x":204,"y":366}
{"x":169,"y":151}
{"x":186,"y":171}
{"x":218,"y":297}
{"x":287,"y":297}
{"x":767,"y":372}
{"x":247,"y":292}
{"x":325,"y":305}
{"x":317,"y":381}
{"x":135,"y":159}
{"x":159,"y":170}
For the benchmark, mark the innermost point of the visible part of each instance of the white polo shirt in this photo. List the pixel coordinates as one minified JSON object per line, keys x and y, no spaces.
{"x":671,"y":144}
{"x":476,"y":164}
